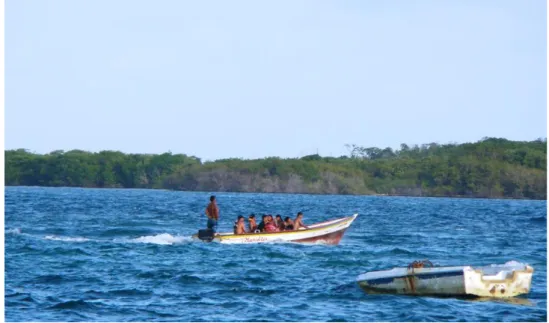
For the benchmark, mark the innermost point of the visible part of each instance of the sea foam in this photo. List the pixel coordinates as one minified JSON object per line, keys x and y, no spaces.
{"x":163,"y":239}
{"x":67,"y":239}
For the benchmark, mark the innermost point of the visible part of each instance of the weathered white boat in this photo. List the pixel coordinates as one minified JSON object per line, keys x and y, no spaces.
{"x":507,"y":280}
{"x":329,"y":232}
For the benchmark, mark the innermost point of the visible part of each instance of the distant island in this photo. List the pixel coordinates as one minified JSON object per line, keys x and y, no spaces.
{"x":489,"y":168}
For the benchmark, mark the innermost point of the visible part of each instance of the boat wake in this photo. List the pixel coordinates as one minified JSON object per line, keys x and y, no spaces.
{"x":67,"y":239}
{"x":163,"y":239}
{"x":160,"y":239}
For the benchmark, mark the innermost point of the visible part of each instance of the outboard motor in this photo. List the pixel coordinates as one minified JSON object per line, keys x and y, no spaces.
{"x":206,"y":235}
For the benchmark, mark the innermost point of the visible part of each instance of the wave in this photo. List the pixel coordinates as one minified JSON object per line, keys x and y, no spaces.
{"x":14,"y":231}
{"x":277,"y":255}
{"x":257,"y":272}
{"x":157,"y":314}
{"x":345,"y":263}
{"x":248,"y":290}
{"x":116,"y":232}
{"x":21,"y":297}
{"x":511,"y":264}
{"x":539,"y":219}
{"x":78,"y":304}
{"x":395,"y":251}
{"x":188,"y":279}
{"x":130,"y":292}
{"x":349,"y":292}
{"x":163,"y":239}
{"x":158,"y":274}
{"x":67,"y":239}
{"x":48,"y":279}
{"x":70,"y":251}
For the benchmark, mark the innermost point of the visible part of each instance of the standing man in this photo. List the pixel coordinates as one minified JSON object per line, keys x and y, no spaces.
{"x":212,"y":212}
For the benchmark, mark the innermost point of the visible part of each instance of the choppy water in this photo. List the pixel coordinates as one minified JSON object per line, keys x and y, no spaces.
{"x":126,"y":255}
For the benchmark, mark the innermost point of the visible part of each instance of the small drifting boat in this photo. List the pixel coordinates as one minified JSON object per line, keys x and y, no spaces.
{"x":422,"y":278}
{"x":329,"y":232}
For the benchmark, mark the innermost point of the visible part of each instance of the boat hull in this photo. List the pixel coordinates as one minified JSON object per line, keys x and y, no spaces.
{"x":415,"y":281}
{"x":495,"y":281}
{"x":329,"y":232}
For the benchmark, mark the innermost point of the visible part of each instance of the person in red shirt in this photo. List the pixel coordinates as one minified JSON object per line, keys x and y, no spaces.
{"x":270,"y":226}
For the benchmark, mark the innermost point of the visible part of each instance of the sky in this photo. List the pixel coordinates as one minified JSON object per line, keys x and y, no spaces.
{"x":288,"y":78}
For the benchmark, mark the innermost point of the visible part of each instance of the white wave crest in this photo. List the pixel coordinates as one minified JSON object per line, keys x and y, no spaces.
{"x":14,"y":231}
{"x":163,"y":238}
{"x":513,"y":264}
{"x":68,"y":239}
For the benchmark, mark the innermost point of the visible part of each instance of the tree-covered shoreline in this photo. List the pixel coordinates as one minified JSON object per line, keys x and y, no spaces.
{"x":489,"y":168}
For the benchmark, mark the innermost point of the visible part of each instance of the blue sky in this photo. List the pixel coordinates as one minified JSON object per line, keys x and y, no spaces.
{"x":250,"y":79}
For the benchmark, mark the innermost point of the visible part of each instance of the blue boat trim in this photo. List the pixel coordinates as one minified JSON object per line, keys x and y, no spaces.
{"x":387,"y":280}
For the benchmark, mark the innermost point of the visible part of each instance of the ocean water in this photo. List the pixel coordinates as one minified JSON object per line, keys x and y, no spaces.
{"x":76,"y":254}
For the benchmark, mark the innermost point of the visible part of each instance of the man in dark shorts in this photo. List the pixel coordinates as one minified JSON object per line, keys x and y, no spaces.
{"x":212,"y":212}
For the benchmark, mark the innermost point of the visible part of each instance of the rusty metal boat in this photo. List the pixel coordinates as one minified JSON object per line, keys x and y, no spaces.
{"x":422,"y":278}
{"x":329,"y":232}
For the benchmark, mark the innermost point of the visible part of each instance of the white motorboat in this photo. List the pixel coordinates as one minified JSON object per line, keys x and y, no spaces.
{"x":421,"y":278}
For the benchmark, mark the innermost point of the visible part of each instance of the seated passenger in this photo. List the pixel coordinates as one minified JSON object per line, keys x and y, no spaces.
{"x":239,"y":225}
{"x":298,"y":223}
{"x":288,"y":224}
{"x":273,"y":221}
{"x":252,"y":226}
{"x":279,"y":222}
{"x":270,"y":225}
{"x":261,"y":226}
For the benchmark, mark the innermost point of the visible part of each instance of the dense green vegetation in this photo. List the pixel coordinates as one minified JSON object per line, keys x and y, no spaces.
{"x":491,"y":167}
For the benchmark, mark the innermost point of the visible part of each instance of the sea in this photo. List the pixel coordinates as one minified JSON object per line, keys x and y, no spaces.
{"x":80,"y":254}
